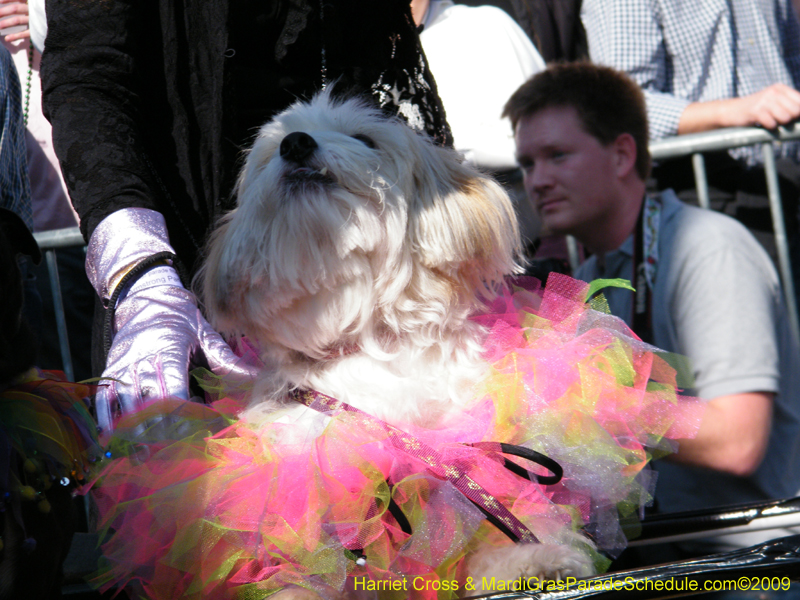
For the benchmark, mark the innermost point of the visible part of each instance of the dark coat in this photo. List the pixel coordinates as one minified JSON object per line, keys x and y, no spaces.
{"x":143,"y":104}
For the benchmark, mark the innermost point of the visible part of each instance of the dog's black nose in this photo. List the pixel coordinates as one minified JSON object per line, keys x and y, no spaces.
{"x":297,"y":146}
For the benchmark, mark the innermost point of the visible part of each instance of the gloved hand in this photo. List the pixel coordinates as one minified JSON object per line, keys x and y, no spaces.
{"x":159,"y":333}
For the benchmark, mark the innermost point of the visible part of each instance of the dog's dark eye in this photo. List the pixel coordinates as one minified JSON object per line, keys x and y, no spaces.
{"x":365,"y":139}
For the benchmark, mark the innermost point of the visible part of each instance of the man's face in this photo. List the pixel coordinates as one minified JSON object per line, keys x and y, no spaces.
{"x":570,"y":177}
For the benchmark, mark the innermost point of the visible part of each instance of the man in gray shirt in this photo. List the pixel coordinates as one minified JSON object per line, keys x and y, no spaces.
{"x":706,"y":288}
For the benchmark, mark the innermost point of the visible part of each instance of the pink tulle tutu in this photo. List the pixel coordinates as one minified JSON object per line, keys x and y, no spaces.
{"x":203,"y":506}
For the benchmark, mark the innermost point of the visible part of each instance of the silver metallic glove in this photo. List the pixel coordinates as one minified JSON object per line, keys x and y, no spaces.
{"x":158,"y":331}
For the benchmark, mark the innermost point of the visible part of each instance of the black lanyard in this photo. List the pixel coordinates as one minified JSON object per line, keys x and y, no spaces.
{"x":642,"y":298}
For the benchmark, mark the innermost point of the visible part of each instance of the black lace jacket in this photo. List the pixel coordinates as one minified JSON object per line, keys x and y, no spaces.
{"x":151,"y":101}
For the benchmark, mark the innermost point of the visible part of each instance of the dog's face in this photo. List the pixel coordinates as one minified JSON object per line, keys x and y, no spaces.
{"x":353,"y":229}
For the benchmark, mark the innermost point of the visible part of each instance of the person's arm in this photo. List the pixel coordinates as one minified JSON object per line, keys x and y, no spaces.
{"x":13,"y":16}
{"x":92,"y":86}
{"x":776,"y":105}
{"x":724,"y":306}
{"x":627,"y":35}
{"x":94,"y":82}
{"x":733,"y":434}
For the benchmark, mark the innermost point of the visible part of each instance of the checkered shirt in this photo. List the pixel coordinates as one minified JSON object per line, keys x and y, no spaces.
{"x":684,"y":51}
{"x":15,"y":187}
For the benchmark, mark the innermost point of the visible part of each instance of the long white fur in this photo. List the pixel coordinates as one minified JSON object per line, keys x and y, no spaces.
{"x":392,"y":260}
{"x":361,"y":288}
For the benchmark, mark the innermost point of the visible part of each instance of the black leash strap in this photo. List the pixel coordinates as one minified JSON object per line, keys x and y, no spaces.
{"x":159,"y":259}
{"x":528,"y":454}
{"x":495,"y":511}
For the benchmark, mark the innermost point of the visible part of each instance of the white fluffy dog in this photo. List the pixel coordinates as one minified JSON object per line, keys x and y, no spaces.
{"x":356,"y":255}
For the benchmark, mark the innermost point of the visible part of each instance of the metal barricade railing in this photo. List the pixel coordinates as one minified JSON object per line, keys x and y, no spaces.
{"x":696,"y":144}
{"x":49,"y":241}
{"x":773,"y":564}
{"x":693,"y":145}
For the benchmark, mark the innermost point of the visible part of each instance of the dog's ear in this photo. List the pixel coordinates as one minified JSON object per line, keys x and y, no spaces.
{"x":211,"y":283}
{"x":461,"y":221}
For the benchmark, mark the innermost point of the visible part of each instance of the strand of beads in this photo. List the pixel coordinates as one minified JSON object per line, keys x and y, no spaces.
{"x":28,"y":82}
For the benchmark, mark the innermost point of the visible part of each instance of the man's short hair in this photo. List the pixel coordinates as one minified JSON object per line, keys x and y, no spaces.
{"x":608,"y":103}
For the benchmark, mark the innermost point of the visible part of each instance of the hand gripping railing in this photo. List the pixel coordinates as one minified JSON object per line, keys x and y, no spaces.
{"x":696,"y":144}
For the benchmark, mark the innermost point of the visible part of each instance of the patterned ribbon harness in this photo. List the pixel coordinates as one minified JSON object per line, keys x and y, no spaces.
{"x":493,"y":510}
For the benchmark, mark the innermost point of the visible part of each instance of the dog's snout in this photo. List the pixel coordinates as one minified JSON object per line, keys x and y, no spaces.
{"x":297,"y":146}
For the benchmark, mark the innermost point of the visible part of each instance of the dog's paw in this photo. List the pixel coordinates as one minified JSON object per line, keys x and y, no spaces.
{"x":527,"y":565}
